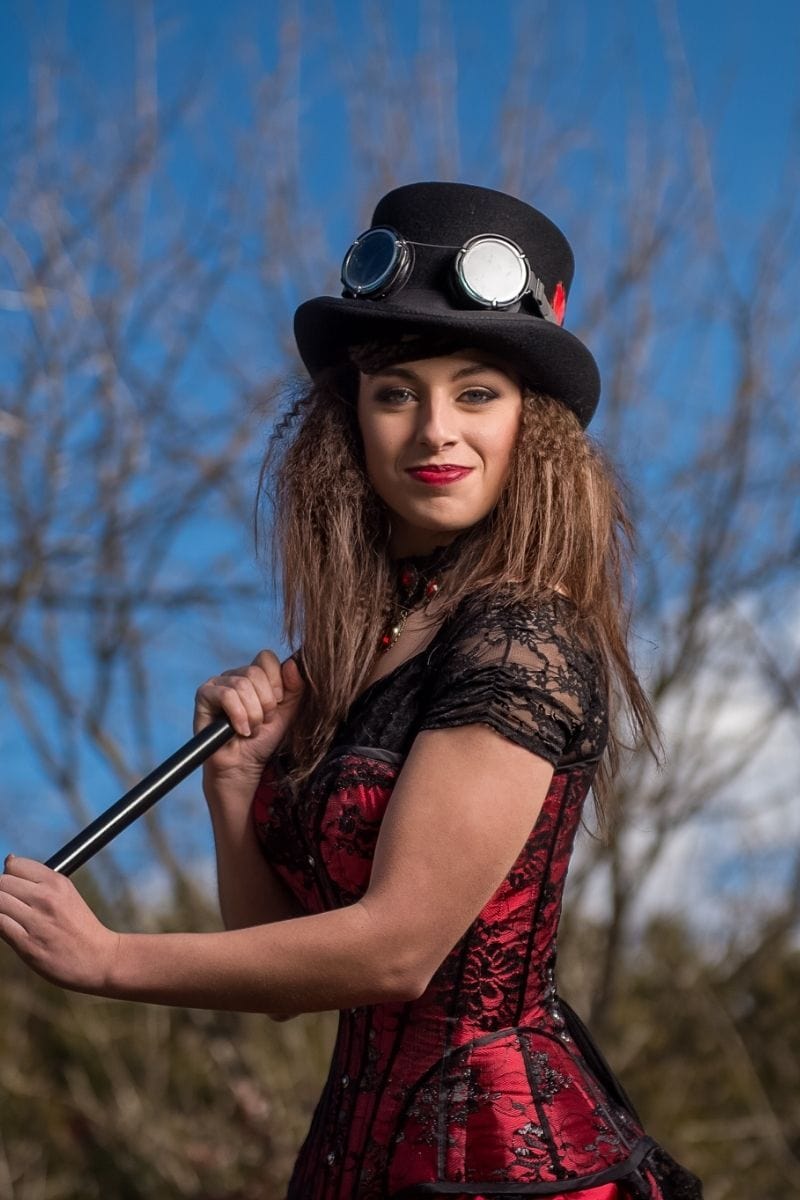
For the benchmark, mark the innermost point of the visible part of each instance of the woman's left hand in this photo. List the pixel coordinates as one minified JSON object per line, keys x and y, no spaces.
{"x":49,"y":925}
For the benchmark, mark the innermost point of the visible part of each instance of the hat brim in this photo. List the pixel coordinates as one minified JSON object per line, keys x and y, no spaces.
{"x":549,"y":358}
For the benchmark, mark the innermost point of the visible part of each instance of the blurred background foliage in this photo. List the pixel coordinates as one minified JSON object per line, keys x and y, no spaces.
{"x":155,"y":236}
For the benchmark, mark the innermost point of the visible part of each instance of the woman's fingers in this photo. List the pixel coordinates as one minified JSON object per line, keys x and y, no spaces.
{"x":253,"y":694}
{"x":265,"y":686}
{"x":214,"y":697}
{"x":247,"y":695}
{"x":16,"y":910}
{"x":292,"y":678}
{"x":20,"y":889}
{"x":269,"y":664}
{"x":29,"y":868}
{"x":15,"y":885}
{"x":46,"y":921}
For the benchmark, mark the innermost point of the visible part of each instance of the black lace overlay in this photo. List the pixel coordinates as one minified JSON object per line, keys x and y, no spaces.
{"x":520,"y":670}
{"x":516,"y":667}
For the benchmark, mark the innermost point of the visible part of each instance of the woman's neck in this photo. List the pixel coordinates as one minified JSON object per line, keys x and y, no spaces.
{"x":422,"y":543}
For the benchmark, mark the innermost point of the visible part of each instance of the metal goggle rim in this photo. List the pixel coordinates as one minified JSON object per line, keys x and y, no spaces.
{"x":395,"y":274}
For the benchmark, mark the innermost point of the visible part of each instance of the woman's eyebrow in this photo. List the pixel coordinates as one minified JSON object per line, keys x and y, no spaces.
{"x":462,"y":373}
{"x":475,"y":369}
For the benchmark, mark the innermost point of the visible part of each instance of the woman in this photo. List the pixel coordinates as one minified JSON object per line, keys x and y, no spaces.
{"x":394,"y":821}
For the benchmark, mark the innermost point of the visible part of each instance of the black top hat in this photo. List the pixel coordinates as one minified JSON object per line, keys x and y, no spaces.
{"x":427,"y":224}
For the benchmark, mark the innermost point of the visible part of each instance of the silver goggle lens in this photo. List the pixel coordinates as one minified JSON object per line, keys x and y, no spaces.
{"x":371,"y":262}
{"x":493,"y":271}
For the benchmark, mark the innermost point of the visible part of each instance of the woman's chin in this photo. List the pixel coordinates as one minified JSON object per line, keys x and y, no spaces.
{"x":441,"y":514}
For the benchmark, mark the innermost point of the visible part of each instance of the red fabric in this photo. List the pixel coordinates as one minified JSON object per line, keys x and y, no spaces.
{"x":488,"y":1083}
{"x":478,"y":1081}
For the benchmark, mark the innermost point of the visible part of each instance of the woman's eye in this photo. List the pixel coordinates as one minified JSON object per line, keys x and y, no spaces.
{"x":478,"y":395}
{"x":394,"y":395}
{"x":400,"y":395}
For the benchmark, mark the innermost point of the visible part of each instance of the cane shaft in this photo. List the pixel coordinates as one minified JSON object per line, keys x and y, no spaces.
{"x":141,"y":797}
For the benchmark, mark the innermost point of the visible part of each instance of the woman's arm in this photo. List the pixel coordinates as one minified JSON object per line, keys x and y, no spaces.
{"x":250,"y":892}
{"x":260,"y":700}
{"x":459,"y":815}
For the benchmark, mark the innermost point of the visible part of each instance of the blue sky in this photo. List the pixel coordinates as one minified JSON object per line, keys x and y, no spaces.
{"x":740,"y":71}
{"x":742,"y":57}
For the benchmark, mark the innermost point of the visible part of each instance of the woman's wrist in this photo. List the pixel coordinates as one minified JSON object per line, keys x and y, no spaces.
{"x":113,"y":983}
{"x":230,"y":790}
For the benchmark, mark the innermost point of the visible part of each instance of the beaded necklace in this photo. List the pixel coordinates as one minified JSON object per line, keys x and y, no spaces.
{"x":419,"y":579}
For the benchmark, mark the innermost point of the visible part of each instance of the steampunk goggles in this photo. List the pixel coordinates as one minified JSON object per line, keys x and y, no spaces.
{"x":489,"y":271}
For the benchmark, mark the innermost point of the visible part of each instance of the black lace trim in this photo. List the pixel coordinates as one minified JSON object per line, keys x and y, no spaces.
{"x":519,"y":668}
{"x":375,"y":753}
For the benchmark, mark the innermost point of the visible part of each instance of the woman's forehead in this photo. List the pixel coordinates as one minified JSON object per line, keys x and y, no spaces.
{"x":453,"y":365}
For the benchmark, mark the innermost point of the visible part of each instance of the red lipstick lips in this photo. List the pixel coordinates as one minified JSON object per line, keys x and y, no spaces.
{"x":438,"y":476}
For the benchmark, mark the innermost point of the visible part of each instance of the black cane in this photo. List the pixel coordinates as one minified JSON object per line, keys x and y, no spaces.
{"x":141,"y":797}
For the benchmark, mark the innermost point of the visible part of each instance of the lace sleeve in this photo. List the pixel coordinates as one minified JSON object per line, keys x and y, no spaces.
{"x":518,"y":669}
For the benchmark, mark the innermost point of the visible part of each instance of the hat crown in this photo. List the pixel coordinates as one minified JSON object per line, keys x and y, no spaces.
{"x":449,"y":214}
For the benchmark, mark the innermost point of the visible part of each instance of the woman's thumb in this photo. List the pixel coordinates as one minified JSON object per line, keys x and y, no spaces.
{"x":293,"y":682}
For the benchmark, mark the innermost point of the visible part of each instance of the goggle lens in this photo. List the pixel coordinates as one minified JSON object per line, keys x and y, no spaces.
{"x":370,"y":262}
{"x":492,"y":271}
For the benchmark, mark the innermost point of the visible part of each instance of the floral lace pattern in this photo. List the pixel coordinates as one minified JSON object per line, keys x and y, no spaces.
{"x":488,"y":1080}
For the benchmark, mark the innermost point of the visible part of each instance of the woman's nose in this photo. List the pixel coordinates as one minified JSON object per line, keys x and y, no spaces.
{"x":435,"y":423}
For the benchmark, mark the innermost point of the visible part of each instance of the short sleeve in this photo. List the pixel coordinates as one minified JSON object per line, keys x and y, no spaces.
{"x":519,"y":669}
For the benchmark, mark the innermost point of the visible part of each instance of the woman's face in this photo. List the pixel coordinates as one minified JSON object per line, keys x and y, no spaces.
{"x":458,"y":411}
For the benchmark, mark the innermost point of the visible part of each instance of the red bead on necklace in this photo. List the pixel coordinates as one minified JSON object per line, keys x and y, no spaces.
{"x":418,"y":580}
{"x":415,"y":590}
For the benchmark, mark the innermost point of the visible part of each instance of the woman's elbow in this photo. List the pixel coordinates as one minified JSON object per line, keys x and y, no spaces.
{"x":405,"y":981}
{"x":414,"y":989}
{"x":398,"y":970}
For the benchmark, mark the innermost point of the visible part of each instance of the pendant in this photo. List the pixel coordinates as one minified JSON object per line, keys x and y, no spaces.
{"x":395,"y":629}
{"x":408,"y":580}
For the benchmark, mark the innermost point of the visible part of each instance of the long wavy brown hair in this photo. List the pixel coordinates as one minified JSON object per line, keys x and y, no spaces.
{"x":560,"y":522}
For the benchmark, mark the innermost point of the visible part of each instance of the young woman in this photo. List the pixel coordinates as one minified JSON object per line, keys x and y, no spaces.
{"x":395,"y":818}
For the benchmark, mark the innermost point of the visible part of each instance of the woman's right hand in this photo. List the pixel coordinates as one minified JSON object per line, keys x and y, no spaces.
{"x":260,"y":701}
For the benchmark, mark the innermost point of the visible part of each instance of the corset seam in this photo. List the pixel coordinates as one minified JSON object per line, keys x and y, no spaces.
{"x":534,"y":922}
